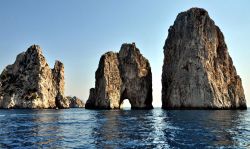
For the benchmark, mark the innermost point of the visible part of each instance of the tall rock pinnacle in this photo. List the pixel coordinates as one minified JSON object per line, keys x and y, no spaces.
{"x":123,"y":75}
{"x":30,"y":83}
{"x":198,"y":71}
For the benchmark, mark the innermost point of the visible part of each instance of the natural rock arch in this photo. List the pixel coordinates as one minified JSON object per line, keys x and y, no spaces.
{"x":124,"y":97}
{"x":125,"y":103}
{"x":123,"y":75}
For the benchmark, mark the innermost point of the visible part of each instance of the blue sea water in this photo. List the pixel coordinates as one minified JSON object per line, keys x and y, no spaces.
{"x":157,"y":128}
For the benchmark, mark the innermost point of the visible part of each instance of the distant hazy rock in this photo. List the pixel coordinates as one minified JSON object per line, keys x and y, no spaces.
{"x":30,"y":83}
{"x":75,"y":102}
{"x":123,"y":75}
{"x":198,"y":71}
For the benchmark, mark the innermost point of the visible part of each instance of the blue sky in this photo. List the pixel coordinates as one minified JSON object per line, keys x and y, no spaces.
{"x":78,"y":32}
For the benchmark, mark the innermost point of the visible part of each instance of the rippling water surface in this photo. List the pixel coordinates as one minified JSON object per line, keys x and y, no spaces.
{"x":80,"y":128}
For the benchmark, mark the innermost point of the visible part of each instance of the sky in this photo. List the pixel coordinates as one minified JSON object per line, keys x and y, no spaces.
{"x":78,"y":32}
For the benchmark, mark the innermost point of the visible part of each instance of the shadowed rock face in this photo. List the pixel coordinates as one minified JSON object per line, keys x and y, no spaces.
{"x":198,"y":71}
{"x":123,"y":75}
{"x":30,"y":83}
{"x":58,"y":80}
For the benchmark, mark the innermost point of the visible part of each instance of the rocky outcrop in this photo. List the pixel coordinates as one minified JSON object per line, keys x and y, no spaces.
{"x":75,"y":102}
{"x":123,"y":75}
{"x":198,"y":71}
{"x":58,"y":80}
{"x":30,"y":83}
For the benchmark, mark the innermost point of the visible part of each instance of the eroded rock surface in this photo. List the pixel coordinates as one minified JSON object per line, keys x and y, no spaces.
{"x":123,"y":75}
{"x":75,"y":102}
{"x":198,"y":71}
{"x":58,"y":80}
{"x":30,"y":83}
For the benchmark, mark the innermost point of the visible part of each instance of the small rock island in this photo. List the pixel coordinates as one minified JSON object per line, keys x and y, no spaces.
{"x":123,"y":75}
{"x":75,"y":102}
{"x":30,"y":83}
{"x":198,"y":72}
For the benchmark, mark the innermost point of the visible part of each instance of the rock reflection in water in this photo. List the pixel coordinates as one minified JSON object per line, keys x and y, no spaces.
{"x":79,"y":128}
{"x":199,"y":128}
{"x":24,"y":127}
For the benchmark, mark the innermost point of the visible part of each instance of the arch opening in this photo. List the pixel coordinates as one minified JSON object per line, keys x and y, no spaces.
{"x":125,"y":104}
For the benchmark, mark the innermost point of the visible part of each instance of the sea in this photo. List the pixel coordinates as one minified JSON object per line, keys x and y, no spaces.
{"x":157,"y":128}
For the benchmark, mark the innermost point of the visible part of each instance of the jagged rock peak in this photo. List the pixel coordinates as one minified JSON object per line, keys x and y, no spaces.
{"x":194,"y":12}
{"x":123,"y":75}
{"x":30,"y":83}
{"x":198,"y":71}
{"x":34,"y":49}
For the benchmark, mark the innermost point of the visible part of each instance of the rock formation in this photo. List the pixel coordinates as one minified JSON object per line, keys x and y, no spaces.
{"x":198,"y":71}
{"x":58,"y":80}
{"x":123,"y":75}
{"x":30,"y":83}
{"x":75,"y":102}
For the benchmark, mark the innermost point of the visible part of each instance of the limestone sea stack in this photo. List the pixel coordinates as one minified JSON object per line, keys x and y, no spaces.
{"x":123,"y":75}
{"x":30,"y":83}
{"x":198,"y":72}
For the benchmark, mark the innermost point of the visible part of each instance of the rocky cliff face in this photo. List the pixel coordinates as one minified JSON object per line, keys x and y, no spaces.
{"x":198,"y":71}
{"x":123,"y":75}
{"x":30,"y":83}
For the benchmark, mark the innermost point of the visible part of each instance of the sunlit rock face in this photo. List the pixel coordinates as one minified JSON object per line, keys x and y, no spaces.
{"x":198,"y":71}
{"x":30,"y":83}
{"x":123,"y":75}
